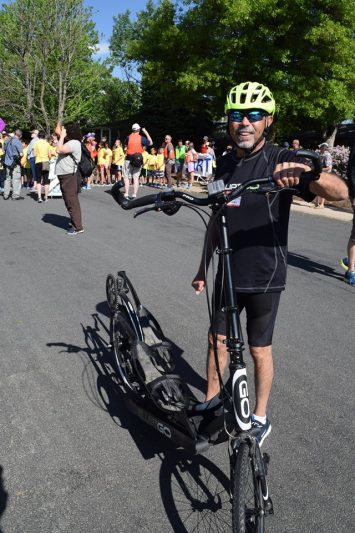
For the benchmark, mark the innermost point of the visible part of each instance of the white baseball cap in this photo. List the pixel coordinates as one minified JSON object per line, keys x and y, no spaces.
{"x":136,"y":127}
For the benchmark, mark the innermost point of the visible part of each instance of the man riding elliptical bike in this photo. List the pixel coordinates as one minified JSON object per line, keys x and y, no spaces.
{"x":258,"y":232}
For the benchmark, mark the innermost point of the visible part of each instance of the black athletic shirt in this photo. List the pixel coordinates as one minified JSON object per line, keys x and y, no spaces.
{"x":258,"y":227}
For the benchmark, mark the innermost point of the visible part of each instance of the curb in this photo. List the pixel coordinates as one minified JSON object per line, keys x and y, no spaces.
{"x":328,"y":211}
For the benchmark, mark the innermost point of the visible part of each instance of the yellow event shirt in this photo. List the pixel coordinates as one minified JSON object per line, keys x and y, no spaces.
{"x":152,"y":162}
{"x":42,"y":151}
{"x":102,"y":155}
{"x":108,"y":156}
{"x":160,"y":162}
{"x":118,"y":156}
{"x":24,"y":161}
{"x":53,"y":152}
{"x":145,"y":156}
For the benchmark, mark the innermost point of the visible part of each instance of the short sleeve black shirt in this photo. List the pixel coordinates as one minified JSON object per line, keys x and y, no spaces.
{"x":258,"y":227}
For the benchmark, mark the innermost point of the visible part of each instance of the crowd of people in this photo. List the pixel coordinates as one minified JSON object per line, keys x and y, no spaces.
{"x":110,"y":162}
{"x":158,"y":163}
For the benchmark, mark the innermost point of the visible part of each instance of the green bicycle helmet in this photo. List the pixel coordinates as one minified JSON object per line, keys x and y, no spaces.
{"x":249,"y":95}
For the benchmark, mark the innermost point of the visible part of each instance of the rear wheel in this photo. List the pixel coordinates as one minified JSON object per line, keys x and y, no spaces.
{"x":122,"y":338}
{"x":111,"y":292}
{"x":247,"y":501}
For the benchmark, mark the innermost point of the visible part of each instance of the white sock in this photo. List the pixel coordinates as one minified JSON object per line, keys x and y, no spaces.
{"x":261,"y":419}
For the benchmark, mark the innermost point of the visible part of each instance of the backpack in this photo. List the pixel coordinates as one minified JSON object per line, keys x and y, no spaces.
{"x":86,"y":165}
{"x":136,"y":160}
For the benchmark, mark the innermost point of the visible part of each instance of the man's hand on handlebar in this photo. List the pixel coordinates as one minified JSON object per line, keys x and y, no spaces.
{"x":288,"y":174}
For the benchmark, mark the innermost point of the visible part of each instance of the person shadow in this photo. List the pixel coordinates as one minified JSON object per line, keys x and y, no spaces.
{"x":304,"y":263}
{"x":3,"y":496}
{"x":194,"y":491}
{"x":59,"y":221}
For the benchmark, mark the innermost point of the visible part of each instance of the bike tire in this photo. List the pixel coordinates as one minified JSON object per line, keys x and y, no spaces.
{"x":247,"y":501}
{"x":123,"y":336}
{"x":111,"y":292}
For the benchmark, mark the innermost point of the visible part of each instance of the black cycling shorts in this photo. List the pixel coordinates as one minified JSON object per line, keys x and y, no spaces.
{"x":261,"y":310}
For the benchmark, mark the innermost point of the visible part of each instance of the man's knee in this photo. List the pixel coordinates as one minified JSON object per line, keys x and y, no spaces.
{"x":259,"y":353}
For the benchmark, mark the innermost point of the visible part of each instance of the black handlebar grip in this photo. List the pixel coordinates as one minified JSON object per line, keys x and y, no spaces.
{"x":125,"y":203}
{"x":316,"y":162}
{"x":149,"y":199}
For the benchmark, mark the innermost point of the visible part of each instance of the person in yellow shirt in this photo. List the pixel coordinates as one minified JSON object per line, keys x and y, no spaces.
{"x":53,"y":144}
{"x":151,"y":165}
{"x":104,"y":159}
{"x":42,"y":153}
{"x":118,"y":158}
{"x":160,"y":167}
{"x":25,"y":166}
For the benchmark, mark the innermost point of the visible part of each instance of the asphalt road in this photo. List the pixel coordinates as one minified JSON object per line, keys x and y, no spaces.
{"x":73,"y":459}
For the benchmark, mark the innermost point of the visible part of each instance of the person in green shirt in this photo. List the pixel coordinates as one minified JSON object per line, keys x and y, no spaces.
{"x":180,"y":151}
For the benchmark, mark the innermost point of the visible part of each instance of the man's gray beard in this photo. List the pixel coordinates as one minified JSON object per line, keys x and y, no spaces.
{"x":245,"y":144}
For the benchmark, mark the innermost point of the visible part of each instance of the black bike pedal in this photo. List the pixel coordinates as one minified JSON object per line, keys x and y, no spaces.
{"x":269,"y":506}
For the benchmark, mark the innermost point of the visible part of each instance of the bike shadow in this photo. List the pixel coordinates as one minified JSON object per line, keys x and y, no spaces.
{"x":182,"y":367}
{"x":304,"y":263}
{"x":195,"y":494}
{"x":3,"y":495}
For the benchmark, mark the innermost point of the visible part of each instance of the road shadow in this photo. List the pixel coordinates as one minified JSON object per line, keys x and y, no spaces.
{"x":3,"y":496}
{"x":102,"y":387}
{"x":59,"y":221}
{"x":195,"y":494}
{"x":304,"y":263}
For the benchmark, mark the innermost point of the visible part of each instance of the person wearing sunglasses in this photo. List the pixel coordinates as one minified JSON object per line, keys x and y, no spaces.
{"x":258,"y":230}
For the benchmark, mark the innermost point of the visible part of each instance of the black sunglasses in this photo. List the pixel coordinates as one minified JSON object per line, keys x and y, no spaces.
{"x":252,"y":116}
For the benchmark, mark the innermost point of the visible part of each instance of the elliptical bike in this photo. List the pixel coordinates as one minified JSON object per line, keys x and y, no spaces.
{"x":145,"y":363}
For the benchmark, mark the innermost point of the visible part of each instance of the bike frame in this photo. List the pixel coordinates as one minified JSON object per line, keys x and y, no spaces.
{"x":182,"y":427}
{"x":237,"y":382}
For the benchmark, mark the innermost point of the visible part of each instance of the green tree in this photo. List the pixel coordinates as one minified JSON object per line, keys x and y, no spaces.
{"x":46,"y":64}
{"x":194,"y":51}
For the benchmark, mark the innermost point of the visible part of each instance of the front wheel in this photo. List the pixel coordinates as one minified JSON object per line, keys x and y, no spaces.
{"x":247,"y":501}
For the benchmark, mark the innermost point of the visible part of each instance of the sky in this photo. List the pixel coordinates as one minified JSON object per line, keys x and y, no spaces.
{"x":103,"y":13}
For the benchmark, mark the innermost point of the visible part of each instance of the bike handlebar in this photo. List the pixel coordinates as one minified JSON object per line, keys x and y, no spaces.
{"x":216,"y":194}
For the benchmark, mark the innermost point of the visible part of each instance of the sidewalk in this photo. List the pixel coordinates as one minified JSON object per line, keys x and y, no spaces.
{"x":329,"y":211}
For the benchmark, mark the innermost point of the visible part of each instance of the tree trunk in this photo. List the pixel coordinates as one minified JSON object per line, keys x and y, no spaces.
{"x":331,"y":138}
